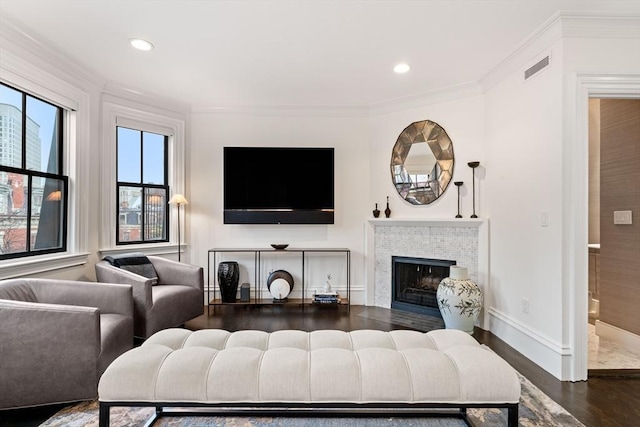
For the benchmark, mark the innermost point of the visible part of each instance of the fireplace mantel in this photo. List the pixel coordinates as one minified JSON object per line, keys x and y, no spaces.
{"x":405,"y":231}
{"x":428,"y":222}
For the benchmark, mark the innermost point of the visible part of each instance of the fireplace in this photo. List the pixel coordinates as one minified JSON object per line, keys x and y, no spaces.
{"x":414,"y":283}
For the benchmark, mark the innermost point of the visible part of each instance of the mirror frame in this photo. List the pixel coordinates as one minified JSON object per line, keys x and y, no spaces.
{"x":438,"y":141}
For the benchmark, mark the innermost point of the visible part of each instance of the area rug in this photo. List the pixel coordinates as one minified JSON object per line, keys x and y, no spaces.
{"x":535,"y":409}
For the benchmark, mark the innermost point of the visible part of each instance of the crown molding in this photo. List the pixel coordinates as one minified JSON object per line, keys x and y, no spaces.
{"x":285,"y":110}
{"x":541,"y":39}
{"x":150,"y":100}
{"x":594,"y":24}
{"x":563,"y":25}
{"x":383,"y":107}
{"x":436,"y":96}
{"x":37,"y":52}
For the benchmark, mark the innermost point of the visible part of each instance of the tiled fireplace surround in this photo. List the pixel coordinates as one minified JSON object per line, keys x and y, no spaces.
{"x":462,"y":240}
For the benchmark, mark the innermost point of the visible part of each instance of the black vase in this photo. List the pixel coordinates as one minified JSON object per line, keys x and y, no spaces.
{"x":228,"y":277}
{"x":387,"y":211}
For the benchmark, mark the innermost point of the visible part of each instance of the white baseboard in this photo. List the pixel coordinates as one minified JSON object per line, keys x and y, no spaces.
{"x":545,"y":352}
{"x":623,"y":338}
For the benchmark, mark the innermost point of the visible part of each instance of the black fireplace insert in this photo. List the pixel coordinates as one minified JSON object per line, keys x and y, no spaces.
{"x":414,"y":283}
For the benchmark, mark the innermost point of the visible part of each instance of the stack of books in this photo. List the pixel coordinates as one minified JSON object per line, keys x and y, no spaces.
{"x":326,"y":298}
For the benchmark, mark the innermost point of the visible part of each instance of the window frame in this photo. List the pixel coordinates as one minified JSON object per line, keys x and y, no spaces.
{"x":32,"y":78}
{"x":119,"y":112}
{"x":30,"y":174}
{"x":143,"y":187}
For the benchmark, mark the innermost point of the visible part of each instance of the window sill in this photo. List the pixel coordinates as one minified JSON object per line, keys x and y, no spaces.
{"x":147,"y":249}
{"x":40,"y":264}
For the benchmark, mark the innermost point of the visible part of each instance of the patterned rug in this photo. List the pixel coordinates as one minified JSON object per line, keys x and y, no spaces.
{"x":536,"y":409}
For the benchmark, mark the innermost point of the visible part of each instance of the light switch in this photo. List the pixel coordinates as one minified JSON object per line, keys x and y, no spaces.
{"x":622,"y":217}
{"x":544,"y":219}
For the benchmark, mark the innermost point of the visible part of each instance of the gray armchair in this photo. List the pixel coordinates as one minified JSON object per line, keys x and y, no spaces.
{"x":174,"y":298}
{"x":58,"y":336}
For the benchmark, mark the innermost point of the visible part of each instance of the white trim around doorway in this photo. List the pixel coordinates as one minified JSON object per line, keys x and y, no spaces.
{"x":576,"y":219}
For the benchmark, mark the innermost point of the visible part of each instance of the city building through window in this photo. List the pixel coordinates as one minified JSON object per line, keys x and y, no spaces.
{"x":33,"y":187}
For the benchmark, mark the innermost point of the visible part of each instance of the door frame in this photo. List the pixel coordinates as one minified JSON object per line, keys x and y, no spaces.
{"x":576,"y":218}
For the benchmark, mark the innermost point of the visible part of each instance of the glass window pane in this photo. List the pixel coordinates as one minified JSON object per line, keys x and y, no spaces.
{"x":153,"y":166}
{"x":13,"y":213}
{"x":32,"y":208}
{"x":43,"y":141}
{"x":155,"y":210}
{"x":47,"y":213}
{"x":129,"y":146}
{"x":10,"y":127}
{"x":130,"y":214}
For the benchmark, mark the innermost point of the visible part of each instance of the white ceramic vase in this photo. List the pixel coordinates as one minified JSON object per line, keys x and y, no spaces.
{"x":459,"y":300}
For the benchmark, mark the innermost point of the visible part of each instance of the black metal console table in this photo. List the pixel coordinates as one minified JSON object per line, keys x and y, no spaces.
{"x":216,"y":300}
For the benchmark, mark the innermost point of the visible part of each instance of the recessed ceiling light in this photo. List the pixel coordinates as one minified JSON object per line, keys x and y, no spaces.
{"x":401,"y":68}
{"x":141,"y":44}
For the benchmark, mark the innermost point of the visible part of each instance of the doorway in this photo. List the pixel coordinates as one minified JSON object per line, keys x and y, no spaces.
{"x":614,"y":239}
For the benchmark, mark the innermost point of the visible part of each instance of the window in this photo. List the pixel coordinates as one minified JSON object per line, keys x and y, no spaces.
{"x":33,"y":189}
{"x":142,"y":190}
{"x":142,"y":154}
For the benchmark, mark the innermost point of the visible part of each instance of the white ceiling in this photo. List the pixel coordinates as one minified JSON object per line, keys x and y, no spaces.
{"x":289,"y":53}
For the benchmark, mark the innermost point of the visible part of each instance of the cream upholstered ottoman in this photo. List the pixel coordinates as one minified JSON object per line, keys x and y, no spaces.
{"x":325,"y":370}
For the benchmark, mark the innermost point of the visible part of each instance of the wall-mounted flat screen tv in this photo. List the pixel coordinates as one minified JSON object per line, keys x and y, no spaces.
{"x":278,"y":185}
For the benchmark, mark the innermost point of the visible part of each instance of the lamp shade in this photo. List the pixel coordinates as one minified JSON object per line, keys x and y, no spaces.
{"x":178,"y":199}
{"x":55,"y":196}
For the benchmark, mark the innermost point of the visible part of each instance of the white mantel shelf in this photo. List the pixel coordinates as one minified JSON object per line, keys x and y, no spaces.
{"x":428,"y":222}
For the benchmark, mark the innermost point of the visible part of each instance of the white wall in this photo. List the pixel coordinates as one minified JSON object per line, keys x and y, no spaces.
{"x":363,"y":153}
{"x":524,"y":180}
{"x":210,"y":132}
{"x":463,"y":120}
{"x":537,"y":163}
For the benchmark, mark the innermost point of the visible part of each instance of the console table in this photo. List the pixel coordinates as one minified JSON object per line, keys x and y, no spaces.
{"x":213,"y":294}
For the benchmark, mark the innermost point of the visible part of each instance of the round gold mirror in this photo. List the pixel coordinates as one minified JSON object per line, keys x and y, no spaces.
{"x":422,"y":162}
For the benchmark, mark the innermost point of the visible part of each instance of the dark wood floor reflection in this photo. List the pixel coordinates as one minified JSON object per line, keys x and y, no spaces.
{"x":598,"y":402}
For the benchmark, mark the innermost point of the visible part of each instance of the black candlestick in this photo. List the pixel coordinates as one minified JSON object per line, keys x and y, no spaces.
{"x":458,"y":184}
{"x":473,"y":166}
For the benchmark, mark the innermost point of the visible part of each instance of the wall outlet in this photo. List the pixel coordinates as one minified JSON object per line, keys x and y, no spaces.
{"x":622,"y":217}
{"x":525,"y":305}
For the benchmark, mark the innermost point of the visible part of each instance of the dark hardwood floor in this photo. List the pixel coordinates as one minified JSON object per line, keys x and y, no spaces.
{"x":605,"y":401}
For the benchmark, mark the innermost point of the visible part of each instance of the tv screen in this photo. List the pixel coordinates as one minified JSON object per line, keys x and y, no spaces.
{"x":278,"y":185}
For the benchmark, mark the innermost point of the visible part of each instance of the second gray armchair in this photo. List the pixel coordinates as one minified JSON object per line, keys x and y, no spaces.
{"x":176,"y":296}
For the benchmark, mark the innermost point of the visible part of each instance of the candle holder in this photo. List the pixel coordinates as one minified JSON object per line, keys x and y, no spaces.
{"x":473,"y":166}
{"x":458,"y":184}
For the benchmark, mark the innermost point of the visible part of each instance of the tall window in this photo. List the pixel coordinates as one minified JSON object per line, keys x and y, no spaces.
{"x":33,"y":189}
{"x":142,"y":190}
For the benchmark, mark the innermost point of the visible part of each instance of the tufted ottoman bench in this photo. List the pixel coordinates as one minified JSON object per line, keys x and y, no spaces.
{"x":325,"y":370}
